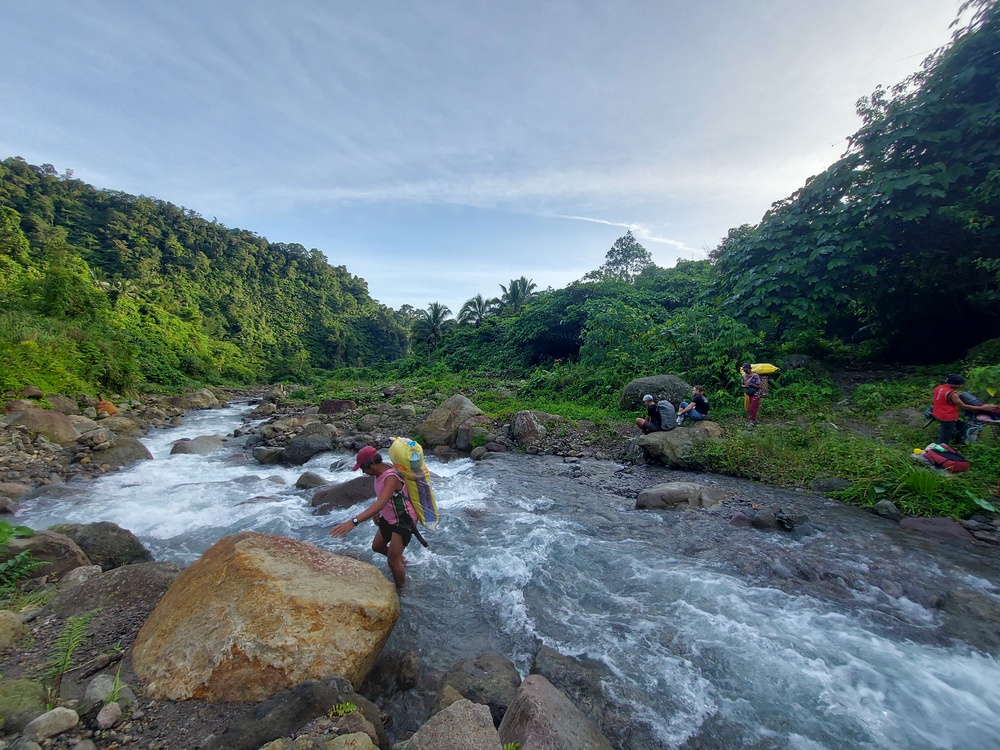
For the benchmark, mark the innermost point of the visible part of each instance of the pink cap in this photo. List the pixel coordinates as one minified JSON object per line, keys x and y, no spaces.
{"x":365,"y":455}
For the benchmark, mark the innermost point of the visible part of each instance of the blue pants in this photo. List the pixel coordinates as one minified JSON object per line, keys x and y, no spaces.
{"x":693,"y":414}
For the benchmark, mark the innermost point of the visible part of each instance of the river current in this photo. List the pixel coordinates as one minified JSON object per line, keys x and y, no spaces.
{"x":684,"y":630}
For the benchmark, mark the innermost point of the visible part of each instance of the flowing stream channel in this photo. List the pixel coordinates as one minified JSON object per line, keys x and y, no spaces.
{"x":695,"y":625}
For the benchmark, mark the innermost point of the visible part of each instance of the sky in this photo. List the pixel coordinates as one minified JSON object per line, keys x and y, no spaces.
{"x":442,"y":148}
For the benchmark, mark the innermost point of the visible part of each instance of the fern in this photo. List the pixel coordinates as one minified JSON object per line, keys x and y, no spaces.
{"x":342,"y":709}
{"x":73,"y":634}
{"x":17,"y":569}
{"x":512,"y":746}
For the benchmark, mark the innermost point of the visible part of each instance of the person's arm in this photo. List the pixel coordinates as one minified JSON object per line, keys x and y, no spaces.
{"x":391,"y":487}
{"x":686,"y":409}
{"x":957,"y":401}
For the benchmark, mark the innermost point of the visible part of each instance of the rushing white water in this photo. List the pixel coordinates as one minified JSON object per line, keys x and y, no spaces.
{"x":522,"y":556}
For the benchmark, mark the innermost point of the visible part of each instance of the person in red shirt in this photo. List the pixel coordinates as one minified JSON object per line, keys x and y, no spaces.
{"x":947,"y":403}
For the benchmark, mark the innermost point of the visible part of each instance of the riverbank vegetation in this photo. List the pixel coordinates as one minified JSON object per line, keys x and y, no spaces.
{"x":888,"y":262}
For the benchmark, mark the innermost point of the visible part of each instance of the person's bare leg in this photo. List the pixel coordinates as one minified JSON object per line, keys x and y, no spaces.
{"x":396,"y":565}
{"x":379,"y":544}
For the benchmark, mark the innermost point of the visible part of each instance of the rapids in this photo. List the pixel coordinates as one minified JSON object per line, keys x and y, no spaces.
{"x":712,"y":635}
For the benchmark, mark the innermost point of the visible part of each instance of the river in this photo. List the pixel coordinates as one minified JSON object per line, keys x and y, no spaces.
{"x":714,"y":636}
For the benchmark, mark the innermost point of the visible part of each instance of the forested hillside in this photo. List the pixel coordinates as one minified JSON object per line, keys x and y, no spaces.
{"x":100,"y":288}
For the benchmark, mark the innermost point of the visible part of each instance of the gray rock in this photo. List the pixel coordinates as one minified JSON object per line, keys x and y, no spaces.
{"x":99,"y":689}
{"x":669,"y":387}
{"x":741,"y":519}
{"x":490,"y":679}
{"x":106,"y":544}
{"x":309,"y":480}
{"x":676,"y":448}
{"x":337,"y":406}
{"x":316,"y":438}
{"x":21,"y":701}
{"x":441,"y":425}
{"x":942,"y":528}
{"x":344,"y":495}
{"x":369,"y":422}
{"x":50,"y":424}
{"x":679,"y":496}
{"x":51,"y":723}
{"x":11,"y":628}
{"x":267,"y":455}
{"x":63,"y":404}
{"x":79,"y":575}
{"x":827,"y":485}
{"x":60,"y":552}
{"x":888,"y":509}
{"x":263,"y":410}
{"x":109,"y":716}
{"x":125,"y":450}
{"x":199,"y":446}
{"x":478,"y":452}
{"x":464,"y":725}
{"x":12,"y":491}
{"x":973,"y":617}
{"x":469,"y":430}
{"x":132,"y":589}
{"x":541,"y":716}
{"x":765,"y":520}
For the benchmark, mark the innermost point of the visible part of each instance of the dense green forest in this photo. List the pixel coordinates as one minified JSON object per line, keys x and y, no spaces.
{"x":891,"y":254}
{"x":99,"y":289}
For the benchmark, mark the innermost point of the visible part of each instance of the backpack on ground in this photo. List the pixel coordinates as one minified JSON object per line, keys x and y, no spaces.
{"x":668,"y":415}
{"x":407,"y":457}
{"x":943,"y":456}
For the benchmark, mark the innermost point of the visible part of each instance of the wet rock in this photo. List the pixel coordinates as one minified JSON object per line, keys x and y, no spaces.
{"x":741,"y":519}
{"x":309,"y":480}
{"x":344,"y":495}
{"x":490,"y":679}
{"x":267,"y":455}
{"x":316,"y":438}
{"x":942,"y":528}
{"x":125,"y":450}
{"x":678,"y":496}
{"x":765,"y":519}
{"x":542,"y":716}
{"x":106,"y":544}
{"x":13,"y":491}
{"x":199,"y":446}
{"x":973,"y":617}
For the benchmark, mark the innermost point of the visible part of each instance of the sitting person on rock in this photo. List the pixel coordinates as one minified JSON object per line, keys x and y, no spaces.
{"x":392,"y":512}
{"x":696,"y":409}
{"x":103,"y":405}
{"x":652,"y":421}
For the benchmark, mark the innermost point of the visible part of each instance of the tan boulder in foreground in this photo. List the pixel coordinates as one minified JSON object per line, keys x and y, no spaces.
{"x":257,"y":613}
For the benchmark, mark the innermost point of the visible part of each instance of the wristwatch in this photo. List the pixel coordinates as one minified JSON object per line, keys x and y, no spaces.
{"x":356,"y":521}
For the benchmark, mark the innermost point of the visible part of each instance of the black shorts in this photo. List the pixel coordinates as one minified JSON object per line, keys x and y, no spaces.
{"x":388,"y":529}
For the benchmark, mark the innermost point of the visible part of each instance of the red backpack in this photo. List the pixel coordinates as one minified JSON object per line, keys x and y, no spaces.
{"x":944,"y":457}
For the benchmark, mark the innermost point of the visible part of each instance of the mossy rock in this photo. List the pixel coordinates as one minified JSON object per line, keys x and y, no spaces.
{"x":986,"y":353}
{"x":21,"y":697}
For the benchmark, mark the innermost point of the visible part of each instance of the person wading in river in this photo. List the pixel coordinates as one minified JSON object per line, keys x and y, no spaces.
{"x":392,"y":512}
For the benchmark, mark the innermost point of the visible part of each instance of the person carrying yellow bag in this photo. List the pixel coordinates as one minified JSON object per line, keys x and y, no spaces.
{"x":754,"y":386}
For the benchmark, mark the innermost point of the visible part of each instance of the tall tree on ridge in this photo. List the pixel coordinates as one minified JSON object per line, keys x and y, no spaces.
{"x":477,"y":309}
{"x":519,"y":293}
{"x":431,"y":324}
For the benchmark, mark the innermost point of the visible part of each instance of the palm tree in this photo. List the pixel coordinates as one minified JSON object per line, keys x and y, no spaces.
{"x":477,"y":309}
{"x":431,"y":324}
{"x":520,"y":292}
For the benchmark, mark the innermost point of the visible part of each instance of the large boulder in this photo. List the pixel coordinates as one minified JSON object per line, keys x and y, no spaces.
{"x":679,"y":496}
{"x":676,"y":448}
{"x":122,"y":596}
{"x":257,"y":613}
{"x":60,"y":552}
{"x":105,"y":543}
{"x":528,"y":427}
{"x":21,"y":699}
{"x":203,"y":399}
{"x":441,"y":425}
{"x":199,"y":446}
{"x":124,"y":450}
{"x":337,"y":406}
{"x":542,"y":717}
{"x":669,"y":387}
{"x":13,"y":491}
{"x":464,"y":725}
{"x":49,"y":424}
{"x":63,"y":404}
{"x":491,"y":679}
{"x":122,"y":425}
{"x":344,"y":495}
{"x":315,"y":438}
